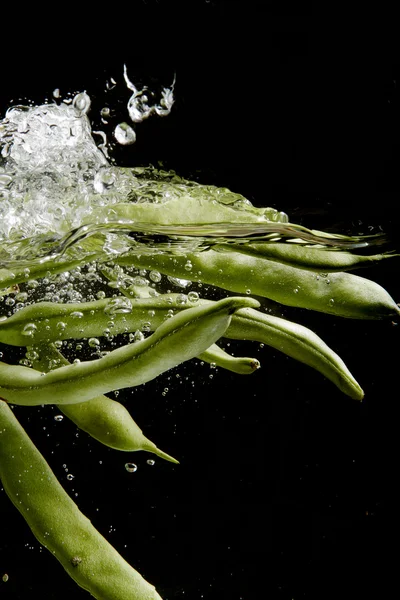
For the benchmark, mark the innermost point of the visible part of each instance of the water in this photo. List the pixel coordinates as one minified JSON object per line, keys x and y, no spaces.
{"x":58,"y":188}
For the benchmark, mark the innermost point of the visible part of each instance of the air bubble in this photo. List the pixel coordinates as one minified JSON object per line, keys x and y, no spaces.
{"x":193,"y":297}
{"x":124,"y":134}
{"x":29,"y":330}
{"x":181,"y":299}
{"x":130,"y":467}
{"x":93,"y":342}
{"x":155,"y":276}
{"x":81,"y":103}
{"x":58,"y":417}
{"x":136,"y":337}
{"x":76,"y":314}
{"x":178,"y":281}
{"x":118,"y":306}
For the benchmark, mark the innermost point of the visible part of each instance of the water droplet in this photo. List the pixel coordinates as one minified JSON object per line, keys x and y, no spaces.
{"x":296,"y":290}
{"x":178,"y":281}
{"x":61,"y":326}
{"x":181,"y":299}
{"x":124,"y":134}
{"x":29,"y":329}
{"x":188,"y":266}
{"x":81,"y":103}
{"x":21,"y":297}
{"x":118,"y":306}
{"x":193,"y":297}
{"x":331,"y":302}
{"x":131,"y":467}
{"x":155,"y":276}
{"x":146,"y":327}
{"x":136,"y":337}
{"x":76,"y":314}
{"x":93,"y":342}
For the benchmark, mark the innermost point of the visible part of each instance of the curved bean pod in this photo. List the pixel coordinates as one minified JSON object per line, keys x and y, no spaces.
{"x":102,"y":418}
{"x":306,"y":257}
{"x":237,"y":364}
{"x":340,"y":294}
{"x":57,"y":522}
{"x":296,"y":341}
{"x":180,"y":338}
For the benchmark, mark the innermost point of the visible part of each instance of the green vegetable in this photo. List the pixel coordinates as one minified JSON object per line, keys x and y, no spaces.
{"x":340,"y":294}
{"x":104,"y":419}
{"x":296,"y":341}
{"x":57,"y":522}
{"x":180,"y":338}
{"x":327,"y":260}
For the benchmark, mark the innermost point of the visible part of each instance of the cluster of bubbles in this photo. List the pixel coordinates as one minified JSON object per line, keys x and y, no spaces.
{"x":90,"y":283}
{"x":52,"y":173}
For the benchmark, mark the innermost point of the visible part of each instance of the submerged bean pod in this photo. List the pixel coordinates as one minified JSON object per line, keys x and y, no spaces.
{"x":48,"y":321}
{"x":327,"y":260}
{"x":295,"y":341}
{"x":104,"y":419}
{"x":180,"y":338}
{"x":340,"y":294}
{"x":242,"y":365}
{"x":57,"y":522}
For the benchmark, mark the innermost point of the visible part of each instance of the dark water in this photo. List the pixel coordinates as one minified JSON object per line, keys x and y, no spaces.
{"x":286,"y":487}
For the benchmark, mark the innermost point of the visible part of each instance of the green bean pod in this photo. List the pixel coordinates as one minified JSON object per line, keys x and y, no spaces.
{"x":242,"y":365}
{"x":340,"y":294}
{"x":102,"y":418}
{"x":46,"y":322}
{"x":180,"y":338}
{"x":312,"y":258}
{"x":295,"y":341}
{"x":57,"y":522}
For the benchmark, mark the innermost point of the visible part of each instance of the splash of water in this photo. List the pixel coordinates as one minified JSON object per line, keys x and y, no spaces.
{"x":58,"y":187}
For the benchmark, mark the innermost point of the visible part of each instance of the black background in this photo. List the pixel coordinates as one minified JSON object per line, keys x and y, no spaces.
{"x":286,"y":487}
